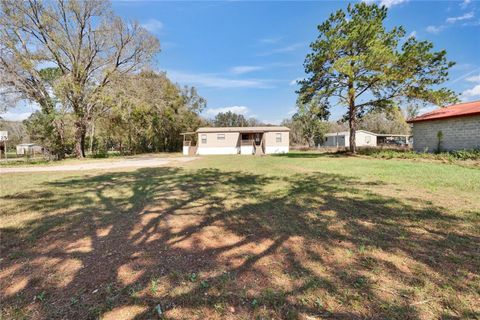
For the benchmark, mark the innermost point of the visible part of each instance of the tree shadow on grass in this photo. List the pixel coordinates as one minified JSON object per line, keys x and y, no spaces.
{"x":213,"y":244}
{"x":300,"y":155}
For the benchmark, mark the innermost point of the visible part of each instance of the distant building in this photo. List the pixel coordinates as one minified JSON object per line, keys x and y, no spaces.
{"x":237,"y":140}
{"x":342,"y":139}
{"x":28,"y":149}
{"x":364,"y":138}
{"x":456,"y":127}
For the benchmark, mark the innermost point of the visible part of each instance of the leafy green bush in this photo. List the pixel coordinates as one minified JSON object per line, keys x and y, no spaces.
{"x":466,"y":154}
{"x":409,"y":154}
{"x":101,"y":154}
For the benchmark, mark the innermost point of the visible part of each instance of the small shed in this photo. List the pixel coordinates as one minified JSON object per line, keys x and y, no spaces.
{"x":31,"y":149}
{"x":342,"y":139}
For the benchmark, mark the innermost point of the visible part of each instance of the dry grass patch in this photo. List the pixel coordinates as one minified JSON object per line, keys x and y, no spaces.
{"x":331,"y":239}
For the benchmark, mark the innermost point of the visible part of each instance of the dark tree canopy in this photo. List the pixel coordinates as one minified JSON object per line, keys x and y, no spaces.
{"x":310,"y":119}
{"x":231,"y":119}
{"x":357,"y":63}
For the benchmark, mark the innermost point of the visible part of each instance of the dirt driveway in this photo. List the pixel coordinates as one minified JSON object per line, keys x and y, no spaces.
{"x":124,"y":163}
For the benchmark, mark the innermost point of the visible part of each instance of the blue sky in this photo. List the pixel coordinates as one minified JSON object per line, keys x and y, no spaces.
{"x":246,"y":56}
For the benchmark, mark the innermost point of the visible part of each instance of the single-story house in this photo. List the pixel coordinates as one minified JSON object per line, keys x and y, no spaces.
{"x":456,"y":127}
{"x":237,"y":140}
{"x":342,"y":139}
{"x":364,"y":138}
{"x":28,"y":149}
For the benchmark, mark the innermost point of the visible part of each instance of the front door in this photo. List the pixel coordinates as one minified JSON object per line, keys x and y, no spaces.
{"x":258,"y":138}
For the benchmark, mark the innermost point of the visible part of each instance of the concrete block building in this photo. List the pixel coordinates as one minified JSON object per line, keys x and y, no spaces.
{"x":456,"y":127}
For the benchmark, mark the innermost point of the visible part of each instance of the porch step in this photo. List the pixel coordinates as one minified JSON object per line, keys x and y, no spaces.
{"x":192,"y":151}
{"x":259,"y":151}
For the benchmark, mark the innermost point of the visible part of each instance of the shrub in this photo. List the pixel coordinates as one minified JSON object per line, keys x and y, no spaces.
{"x":409,"y":154}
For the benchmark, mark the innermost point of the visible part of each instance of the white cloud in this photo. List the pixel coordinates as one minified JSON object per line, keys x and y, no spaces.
{"x":451,"y":20}
{"x":235,"y":109}
{"x":216,"y":81}
{"x":434,"y":29}
{"x":427,"y":109}
{"x":245,"y":69}
{"x":289,"y":48}
{"x":466,"y":16}
{"x":470,"y":93}
{"x":467,"y":76}
{"x":292,"y":111}
{"x":271,"y":40}
{"x":294,"y":81}
{"x":473,"y":78}
{"x":391,"y":3}
{"x":465,"y":3}
{"x":153,"y":25}
{"x":274,"y":122}
{"x":413,"y":34}
{"x":15,"y":116}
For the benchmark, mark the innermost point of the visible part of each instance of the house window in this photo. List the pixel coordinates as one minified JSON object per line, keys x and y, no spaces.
{"x":278,"y":137}
{"x":368,"y":139}
{"x":221,"y":136}
{"x":204,"y":138}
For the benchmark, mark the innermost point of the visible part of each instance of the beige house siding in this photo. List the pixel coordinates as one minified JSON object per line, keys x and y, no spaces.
{"x":231,"y":139}
{"x":342,"y":139}
{"x":458,"y":133}
{"x":274,"y":146}
{"x":215,"y":145}
{"x":226,"y":140}
{"x":363,"y":139}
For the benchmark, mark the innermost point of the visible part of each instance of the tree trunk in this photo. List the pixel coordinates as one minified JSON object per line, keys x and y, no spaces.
{"x":353,"y":129}
{"x":59,"y":137}
{"x":61,"y":151}
{"x":92,"y":134}
{"x":352,"y":116}
{"x":80,"y":132}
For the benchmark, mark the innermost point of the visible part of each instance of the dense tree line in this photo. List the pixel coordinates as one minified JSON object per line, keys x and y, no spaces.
{"x":87,"y":47}
{"x":142,"y":112}
{"x":308,"y":127}
{"x":231,"y":119}
{"x":87,"y":70}
{"x":17,"y":132}
{"x":391,"y":120}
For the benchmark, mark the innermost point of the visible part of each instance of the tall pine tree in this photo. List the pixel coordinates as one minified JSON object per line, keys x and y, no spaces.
{"x":355,"y":62}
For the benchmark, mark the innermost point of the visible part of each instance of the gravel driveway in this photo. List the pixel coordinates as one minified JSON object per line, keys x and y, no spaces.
{"x":125,"y":163}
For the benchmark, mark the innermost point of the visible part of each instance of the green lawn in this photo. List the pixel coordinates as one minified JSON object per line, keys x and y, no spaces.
{"x":300,"y":236}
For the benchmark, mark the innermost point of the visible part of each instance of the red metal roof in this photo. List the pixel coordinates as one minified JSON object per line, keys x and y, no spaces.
{"x":456,"y":110}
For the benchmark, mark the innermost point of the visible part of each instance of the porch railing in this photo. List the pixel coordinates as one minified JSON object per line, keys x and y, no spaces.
{"x":248,"y":142}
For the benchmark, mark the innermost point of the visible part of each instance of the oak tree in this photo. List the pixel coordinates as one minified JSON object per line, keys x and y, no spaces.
{"x":83,"y":40}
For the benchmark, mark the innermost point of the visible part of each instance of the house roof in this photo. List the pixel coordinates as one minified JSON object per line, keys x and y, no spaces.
{"x":347,"y":133}
{"x":242,"y":129}
{"x":456,"y":110}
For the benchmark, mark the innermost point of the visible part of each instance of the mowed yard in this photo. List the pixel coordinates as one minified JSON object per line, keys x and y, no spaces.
{"x":304,"y":236}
